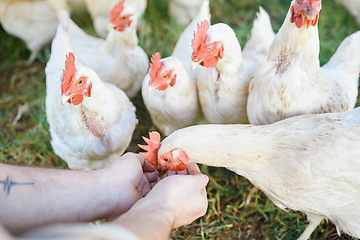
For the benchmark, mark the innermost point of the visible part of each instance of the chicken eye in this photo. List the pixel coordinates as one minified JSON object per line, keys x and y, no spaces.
{"x":209,"y":48}
{"x":165,"y":75}
{"x":166,"y":159}
{"x":80,"y":81}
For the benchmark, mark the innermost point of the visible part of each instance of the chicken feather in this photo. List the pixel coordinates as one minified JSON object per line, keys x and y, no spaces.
{"x":307,"y":163}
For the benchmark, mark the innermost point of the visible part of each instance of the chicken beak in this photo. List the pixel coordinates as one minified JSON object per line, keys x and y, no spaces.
{"x":310,"y":13}
{"x":311,"y":10}
{"x":65,"y":98}
{"x":195,"y":64}
{"x":162,"y":172}
{"x":150,"y":89}
{"x":111,"y":26}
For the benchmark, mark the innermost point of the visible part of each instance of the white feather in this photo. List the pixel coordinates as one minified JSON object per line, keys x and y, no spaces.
{"x":291,"y":82}
{"x":118,"y":59}
{"x":223,"y":89}
{"x":71,"y":139}
{"x":308,"y":163}
{"x":177,"y":106}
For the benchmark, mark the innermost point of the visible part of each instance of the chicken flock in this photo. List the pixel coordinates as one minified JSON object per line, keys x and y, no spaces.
{"x":267,"y":111}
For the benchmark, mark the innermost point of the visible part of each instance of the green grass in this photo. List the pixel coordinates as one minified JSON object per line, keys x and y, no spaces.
{"x":229,"y":217}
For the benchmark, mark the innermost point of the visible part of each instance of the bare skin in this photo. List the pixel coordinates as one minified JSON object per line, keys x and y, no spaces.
{"x":32,"y":197}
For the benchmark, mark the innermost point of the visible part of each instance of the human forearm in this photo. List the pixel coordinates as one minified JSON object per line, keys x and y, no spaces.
{"x":32,"y":197}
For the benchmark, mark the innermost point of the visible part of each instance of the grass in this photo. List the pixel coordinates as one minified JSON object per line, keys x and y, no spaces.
{"x":229,"y":216}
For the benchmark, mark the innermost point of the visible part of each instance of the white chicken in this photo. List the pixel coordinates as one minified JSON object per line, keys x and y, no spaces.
{"x":292,"y":81}
{"x":223,"y":87}
{"x":353,"y":6}
{"x":169,"y":90}
{"x":91,"y":122}
{"x":183,"y":11}
{"x":118,"y":59}
{"x":99,"y":11}
{"x":33,"y":21}
{"x":308,"y":163}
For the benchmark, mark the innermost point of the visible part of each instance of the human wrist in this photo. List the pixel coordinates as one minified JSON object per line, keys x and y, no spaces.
{"x":155,"y":219}
{"x":114,"y":195}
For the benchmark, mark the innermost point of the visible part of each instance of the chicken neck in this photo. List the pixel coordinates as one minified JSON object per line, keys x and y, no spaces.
{"x":93,"y":107}
{"x":295,"y":44}
{"x":236,"y":147}
{"x":117,"y":40}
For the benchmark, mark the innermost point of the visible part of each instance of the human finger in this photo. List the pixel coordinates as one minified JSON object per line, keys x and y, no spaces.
{"x":201,"y":180}
{"x":151,"y":176}
{"x":144,"y":187}
{"x":148,"y":167}
{"x":170,"y":173}
{"x":193,"y":169}
{"x":183,"y":172}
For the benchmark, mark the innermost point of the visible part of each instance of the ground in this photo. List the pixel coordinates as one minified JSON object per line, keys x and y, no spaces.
{"x":232,"y":214}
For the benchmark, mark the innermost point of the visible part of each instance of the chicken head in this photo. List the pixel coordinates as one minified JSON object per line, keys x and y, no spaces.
{"x":73,"y":87}
{"x":305,"y":12}
{"x":160,"y":77}
{"x":118,"y":20}
{"x":205,"y":52}
{"x":174,"y":160}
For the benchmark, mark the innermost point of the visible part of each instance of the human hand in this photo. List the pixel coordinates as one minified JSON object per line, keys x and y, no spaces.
{"x":181,"y":195}
{"x":125,"y":181}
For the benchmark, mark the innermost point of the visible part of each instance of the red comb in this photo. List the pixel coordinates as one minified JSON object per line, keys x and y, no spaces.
{"x":68,"y":72}
{"x":200,"y":35}
{"x":117,"y":10}
{"x":152,"y":148}
{"x":155,"y":65}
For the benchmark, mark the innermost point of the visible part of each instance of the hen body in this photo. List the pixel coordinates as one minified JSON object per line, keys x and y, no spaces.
{"x":292,"y":82}
{"x":223,"y":89}
{"x":33,"y":21}
{"x":177,"y":106}
{"x":118,"y":59}
{"x":308,"y":163}
{"x":98,"y":130}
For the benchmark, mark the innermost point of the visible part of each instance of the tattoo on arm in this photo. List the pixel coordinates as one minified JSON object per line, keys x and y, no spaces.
{"x":8,"y":184}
